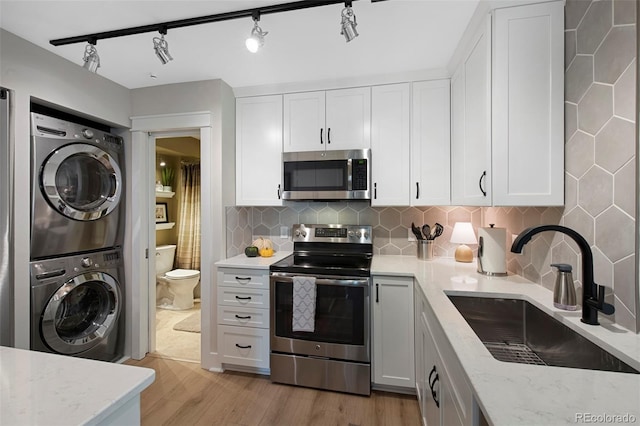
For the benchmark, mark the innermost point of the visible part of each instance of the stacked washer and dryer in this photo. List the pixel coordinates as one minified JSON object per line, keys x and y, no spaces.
{"x":77,"y":233}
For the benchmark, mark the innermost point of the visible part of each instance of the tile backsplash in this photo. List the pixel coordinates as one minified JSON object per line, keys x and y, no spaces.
{"x":600,"y":181}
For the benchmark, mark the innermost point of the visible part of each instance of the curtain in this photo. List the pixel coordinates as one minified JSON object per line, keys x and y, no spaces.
{"x":188,"y":250}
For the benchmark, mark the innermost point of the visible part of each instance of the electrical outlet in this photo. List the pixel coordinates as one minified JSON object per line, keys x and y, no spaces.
{"x":284,"y":232}
{"x":410,"y":236}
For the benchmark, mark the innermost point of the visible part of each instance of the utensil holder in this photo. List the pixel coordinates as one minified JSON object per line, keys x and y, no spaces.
{"x":425,"y":249}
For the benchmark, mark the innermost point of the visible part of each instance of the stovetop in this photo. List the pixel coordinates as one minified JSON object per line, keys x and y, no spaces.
{"x":352,"y":265}
{"x":330,"y":250}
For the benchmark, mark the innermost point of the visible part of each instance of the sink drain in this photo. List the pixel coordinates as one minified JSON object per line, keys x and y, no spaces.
{"x":513,"y":352}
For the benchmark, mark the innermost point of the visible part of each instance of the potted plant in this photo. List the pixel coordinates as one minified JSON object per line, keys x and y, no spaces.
{"x":166,"y":177}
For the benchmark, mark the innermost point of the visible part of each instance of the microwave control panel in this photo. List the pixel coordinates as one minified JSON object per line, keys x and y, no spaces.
{"x":360,"y":181}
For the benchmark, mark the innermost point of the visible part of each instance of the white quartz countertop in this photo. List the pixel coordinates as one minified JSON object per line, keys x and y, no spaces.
{"x":242,"y":261}
{"x":518,"y":394}
{"x":46,"y":389}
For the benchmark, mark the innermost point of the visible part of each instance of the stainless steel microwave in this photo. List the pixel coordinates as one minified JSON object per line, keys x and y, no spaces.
{"x":327,"y":175}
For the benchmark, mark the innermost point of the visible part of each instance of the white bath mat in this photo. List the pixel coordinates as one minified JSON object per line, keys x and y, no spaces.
{"x":190,"y":323}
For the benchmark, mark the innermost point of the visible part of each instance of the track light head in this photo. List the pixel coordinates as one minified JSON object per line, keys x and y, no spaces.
{"x":256,"y":40}
{"x":91,"y":58}
{"x":161,"y":47}
{"x":348,"y":25}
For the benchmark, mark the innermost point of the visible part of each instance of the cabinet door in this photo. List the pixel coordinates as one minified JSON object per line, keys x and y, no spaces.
{"x":259,"y":151}
{"x":430,"y":144}
{"x":304,"y":122}
{"x":471,"y":124}
{"x":348,"y":118}
{"x":431,"y":401}
{"x":393,"y":351}
{"x":390,"y":144}
{"x":528,"y":105}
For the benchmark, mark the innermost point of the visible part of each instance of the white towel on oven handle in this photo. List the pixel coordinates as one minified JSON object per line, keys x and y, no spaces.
{"x":304,"y":304}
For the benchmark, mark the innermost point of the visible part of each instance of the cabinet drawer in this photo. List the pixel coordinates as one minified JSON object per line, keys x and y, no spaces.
{"x":247,"y":297}
{"x":244,"y":346}
{"x":245,"y":278}
{"x":243,"y":317}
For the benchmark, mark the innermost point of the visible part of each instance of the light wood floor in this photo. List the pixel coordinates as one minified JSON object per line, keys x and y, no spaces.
{"x":185,"y":394}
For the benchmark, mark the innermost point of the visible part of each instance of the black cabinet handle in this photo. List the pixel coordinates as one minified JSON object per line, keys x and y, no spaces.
{"x":278,"y":191}
{"x":321,"y":141}
{"x":377,"y":299}
{"x":243,"y":317}
{"x":417,"y":190}
{"x":329,"y":135}
{"x":432,"y":385}
{"x":243,"y":298}
{"x":243,"y":346}
{"x":375,"y":190}
{"x":243,"y":278}
{"x":482,"y":176}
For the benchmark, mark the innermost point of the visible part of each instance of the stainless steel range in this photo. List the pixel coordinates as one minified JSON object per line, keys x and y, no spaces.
{"x":320,"y":318}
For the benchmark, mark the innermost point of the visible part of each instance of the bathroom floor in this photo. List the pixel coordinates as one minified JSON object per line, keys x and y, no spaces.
{"x":174,"y":344}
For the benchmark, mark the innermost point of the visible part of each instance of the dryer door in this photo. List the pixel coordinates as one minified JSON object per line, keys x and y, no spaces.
{"x":81,"y":181}
{"x":81,"y":313}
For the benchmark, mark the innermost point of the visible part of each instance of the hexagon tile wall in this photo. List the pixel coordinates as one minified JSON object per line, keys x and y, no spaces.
{"x":600,"y":186}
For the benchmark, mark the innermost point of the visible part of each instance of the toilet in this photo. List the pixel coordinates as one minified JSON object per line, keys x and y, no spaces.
{"x":174,"y":288}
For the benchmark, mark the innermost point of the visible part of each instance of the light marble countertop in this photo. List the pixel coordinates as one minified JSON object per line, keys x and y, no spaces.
{"x":518,"y":394}
{"x":242,"y":261}
{"x":39,"y":388}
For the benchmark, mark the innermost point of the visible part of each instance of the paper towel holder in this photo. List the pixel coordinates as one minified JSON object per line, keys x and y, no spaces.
{"x":480,"y":253}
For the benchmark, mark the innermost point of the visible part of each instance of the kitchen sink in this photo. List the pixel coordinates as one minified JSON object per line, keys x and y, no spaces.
{"x":514,"y":330}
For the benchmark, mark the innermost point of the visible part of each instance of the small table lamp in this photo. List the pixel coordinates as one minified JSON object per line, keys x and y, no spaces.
{"x":463,"y":234}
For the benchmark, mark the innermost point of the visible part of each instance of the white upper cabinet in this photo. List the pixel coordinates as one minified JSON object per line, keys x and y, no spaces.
{"x":430,"y":144}
{"x":471,"y":124}
{"x":528,"y":105}
{"x":390,"y":144}
{"x":508,"y":111}
{"x":331,"y":120}
{"x":259,"y":151}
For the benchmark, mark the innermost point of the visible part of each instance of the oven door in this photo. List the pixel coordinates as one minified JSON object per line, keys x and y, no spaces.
{"x":341,"y":322}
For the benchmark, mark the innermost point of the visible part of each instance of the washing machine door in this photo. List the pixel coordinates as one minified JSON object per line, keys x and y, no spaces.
{"x":81,"y":313}
{"x":81,"y":181}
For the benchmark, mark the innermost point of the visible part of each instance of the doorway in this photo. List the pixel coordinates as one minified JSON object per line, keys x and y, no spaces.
{"x":177,"y":330}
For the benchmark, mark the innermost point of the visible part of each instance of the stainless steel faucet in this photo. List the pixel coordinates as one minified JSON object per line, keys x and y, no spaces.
{"x":592,"y":293}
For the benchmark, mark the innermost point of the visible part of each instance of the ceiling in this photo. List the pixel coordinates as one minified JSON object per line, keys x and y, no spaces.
{"x":303,"y":45}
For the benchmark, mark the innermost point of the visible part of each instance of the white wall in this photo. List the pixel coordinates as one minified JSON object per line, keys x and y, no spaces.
{"x":31,"y":72}
{"x":218,"y":177}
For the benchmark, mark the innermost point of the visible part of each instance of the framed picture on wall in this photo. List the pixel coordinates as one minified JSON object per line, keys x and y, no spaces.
{"x":161,"y":213}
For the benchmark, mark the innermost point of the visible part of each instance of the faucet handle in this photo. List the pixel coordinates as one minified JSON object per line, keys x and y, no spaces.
{"x":605,"y":308}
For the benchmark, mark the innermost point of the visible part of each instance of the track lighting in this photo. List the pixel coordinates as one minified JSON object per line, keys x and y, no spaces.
{"x":348,"y":26}
{"x":256,"y":39}
{"x":91,"y":58}
{"x":161,"y":47}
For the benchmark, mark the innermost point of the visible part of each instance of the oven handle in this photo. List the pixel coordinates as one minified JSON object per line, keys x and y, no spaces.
{"x":355,"y":282}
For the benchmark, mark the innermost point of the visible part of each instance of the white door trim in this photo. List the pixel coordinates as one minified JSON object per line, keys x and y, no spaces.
{"x":145,"y":130}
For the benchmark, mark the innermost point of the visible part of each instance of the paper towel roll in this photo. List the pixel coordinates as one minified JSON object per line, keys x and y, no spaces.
{"x":492,"y":257}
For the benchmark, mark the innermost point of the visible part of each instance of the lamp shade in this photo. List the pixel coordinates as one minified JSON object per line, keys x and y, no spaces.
{"x":463,"y":233}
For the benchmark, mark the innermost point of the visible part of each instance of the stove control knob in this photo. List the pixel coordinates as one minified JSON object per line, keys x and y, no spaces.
{"x":351,"y":233}
{"x":86,"y":262}
{"x":87,"y":133}
{"x":359,"y":234}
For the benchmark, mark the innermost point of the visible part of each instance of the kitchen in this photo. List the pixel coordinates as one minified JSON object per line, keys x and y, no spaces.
{"x":24,"y":65}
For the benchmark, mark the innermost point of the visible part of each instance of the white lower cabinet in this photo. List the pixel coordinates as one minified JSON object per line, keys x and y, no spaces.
{"x":243,"y":319}
{"x":392,"y":308}
{"x":444,"y":396}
